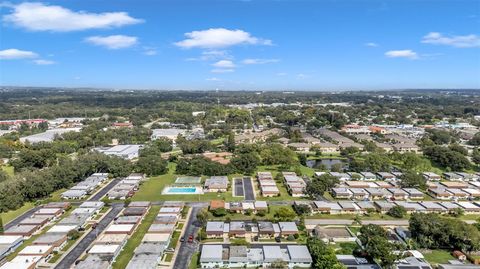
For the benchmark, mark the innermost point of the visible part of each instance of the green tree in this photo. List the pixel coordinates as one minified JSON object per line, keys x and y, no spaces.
{"x":230,"y":142}
{"x":302,"y":209}
{"x":202,"y":217}
{"x":476,"y":156}
{"x":285,"y":214}
{"x":376,"y":162}
{"x":73,"y":234}
{"x":245,"y":163}
{"x":1,"y":226}
{"x":397,"y":211}
{"x":152,"y":165}
{"x":323,"y":256}
{"x":3,"y":175}
{"x":318,"y":185}
{"x":410,"y":179}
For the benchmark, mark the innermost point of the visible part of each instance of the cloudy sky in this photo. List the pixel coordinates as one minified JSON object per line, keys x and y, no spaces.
{"x":251,"y":45}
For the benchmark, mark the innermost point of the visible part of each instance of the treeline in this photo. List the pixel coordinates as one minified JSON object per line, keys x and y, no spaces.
{"x":30,"y":186}
{"x":433,"y":231}
{"x":245,"y":161}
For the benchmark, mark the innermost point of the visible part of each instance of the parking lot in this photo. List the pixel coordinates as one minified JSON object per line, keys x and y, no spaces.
{"x":238,"y":185}
{"x":248,"y":189}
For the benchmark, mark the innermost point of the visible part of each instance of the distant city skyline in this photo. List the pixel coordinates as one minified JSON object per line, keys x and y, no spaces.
{"x":241,"y":45}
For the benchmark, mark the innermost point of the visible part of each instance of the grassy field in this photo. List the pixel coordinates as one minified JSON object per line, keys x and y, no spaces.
{"x":8,"y":169}
{"x":151,"y":190}
{"x":12,"y":214}
{"x":127,"y":253}
{"x":438,"y":256}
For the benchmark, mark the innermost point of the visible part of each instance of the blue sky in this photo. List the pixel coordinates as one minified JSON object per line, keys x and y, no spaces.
{"x":250,"y":45}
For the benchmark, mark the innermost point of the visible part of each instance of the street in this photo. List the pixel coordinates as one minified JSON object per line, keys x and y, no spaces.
{"x":97,"y":196}
{"x":186,"y":249}
{"x":83,"y":245}
{"x":18,"y":219}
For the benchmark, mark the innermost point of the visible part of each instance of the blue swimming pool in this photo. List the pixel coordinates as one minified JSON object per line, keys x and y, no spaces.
{"x":177,"y":190}
{"x":182,"y":190}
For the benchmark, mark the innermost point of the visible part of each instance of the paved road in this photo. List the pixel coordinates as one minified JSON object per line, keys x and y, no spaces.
{"x":186,"y":249}
{"x":80,"y":248}
{"x":248,"y":187}
{"x":18,"y":219}
{"x":30,"y":212}
{"x":97,"y":196}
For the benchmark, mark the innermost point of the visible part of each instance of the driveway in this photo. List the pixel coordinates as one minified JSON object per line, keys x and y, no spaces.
{"x":248,"y":187}
{"x":186,"y":249}
{"x":83,"y":245}
{"x":97,"y":196}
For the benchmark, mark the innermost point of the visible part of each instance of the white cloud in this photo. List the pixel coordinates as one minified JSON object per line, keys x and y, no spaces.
{"x":402,"y":54}
{"x":371,"y":44}
{"x":43,"y":62}
{"x":281,"y":74}
{"x":212,"y":55}
{"x":213,"y":79}
{"x":14,"y":54}
{"x":42,"y":17}
{"x":465,"y":41}
{"x":223,"y":70}
{"x":260,"y":61}
{"x":149,"y":51}
{"x":113,"y":41}
{"x":219,"y":38}
{"x":302,"y":76}
{"x":224,"y":64}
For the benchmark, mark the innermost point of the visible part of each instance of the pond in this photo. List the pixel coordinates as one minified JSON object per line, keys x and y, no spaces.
{"x":327,"y":163}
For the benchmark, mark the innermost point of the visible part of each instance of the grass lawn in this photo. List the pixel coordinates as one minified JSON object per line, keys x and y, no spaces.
{"x":168,"y":257}
{"x":151,"y":190}
{"x":193,"y":261}
{"x":438,"y":256}
{"x":135,"y":240}
{"x":180,"y":226}
{"x":10,"y":215}
{"x":8,"y":169}
{"x":174,"y":239}
{"x":354,"y":229}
